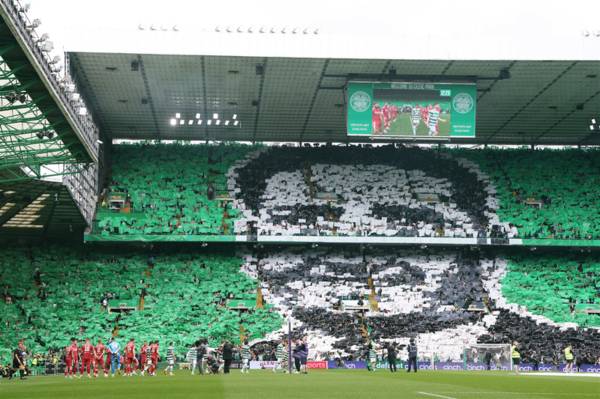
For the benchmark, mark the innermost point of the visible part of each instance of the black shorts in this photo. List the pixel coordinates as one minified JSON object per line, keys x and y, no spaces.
{"x":570,"y":361}
{"x":516,"y":360}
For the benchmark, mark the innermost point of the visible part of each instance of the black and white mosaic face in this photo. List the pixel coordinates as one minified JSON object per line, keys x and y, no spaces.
{"x":420,"y":293}
{"x":416,"y":293}
{"x":388,"y":194}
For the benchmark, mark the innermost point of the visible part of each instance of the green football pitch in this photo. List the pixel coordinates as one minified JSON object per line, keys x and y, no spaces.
{"x":338,"y":384}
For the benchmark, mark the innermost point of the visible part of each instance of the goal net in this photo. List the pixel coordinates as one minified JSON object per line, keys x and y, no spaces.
{"x":488,"y":356}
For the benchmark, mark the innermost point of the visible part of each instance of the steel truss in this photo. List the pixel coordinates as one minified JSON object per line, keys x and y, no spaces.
{"x":29,"y":144}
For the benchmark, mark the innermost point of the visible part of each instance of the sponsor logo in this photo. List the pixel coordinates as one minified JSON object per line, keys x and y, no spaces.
{"x":451,"y":367}
{"x":475,"y":367}
{"x":316,"y":365}
{"x":360,"y":101}
{"x":592,"y":370}
{"x":463,"y":103}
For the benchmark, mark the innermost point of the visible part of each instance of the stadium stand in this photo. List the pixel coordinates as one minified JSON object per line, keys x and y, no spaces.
{"x":338,"y":298}
{"x":168,"y":190}
{"x":546,"y":194}
{"x":350,"y":191}
{"x":385,"y":191}
{"x":562,"y":288}
{"x":54,"y":293}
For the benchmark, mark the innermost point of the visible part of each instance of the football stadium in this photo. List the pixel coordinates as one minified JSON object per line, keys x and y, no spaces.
{"x":299,"y":200}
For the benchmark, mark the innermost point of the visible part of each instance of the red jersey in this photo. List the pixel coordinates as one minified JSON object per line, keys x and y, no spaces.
{"x":386,"y":112}
{"x":130,"y":349}
{"x":100,"y":349}
{"x":68,"y":353}
{"x":154,"y":351}
{"x":74,"y":351}
{"x":143,"y":350}
{"x":88,"y":350}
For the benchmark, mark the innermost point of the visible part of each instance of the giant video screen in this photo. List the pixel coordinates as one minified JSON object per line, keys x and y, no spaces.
{"x":411,"y":110}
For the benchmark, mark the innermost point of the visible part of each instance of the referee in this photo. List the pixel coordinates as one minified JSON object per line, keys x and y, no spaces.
{"x":19,"y":360}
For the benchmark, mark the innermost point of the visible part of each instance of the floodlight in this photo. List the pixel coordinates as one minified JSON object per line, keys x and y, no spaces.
{"x":191,"y":122}
{"x":234,"y":117}
{"x":215,"y":116}
{"x":209,"y":122}
{"x":199,"y":121}
{"x":594,"y":121}
{"x":177,"y":115}
{"x":197,"y":116}
{"x":173,"y":121}
{"x":181,"y":121}
{"x":43,"y":38}
{"x":236,"y":123}
{"x":592,"y":127}
{"x":227,"y":122}
{"x":218,"y":122}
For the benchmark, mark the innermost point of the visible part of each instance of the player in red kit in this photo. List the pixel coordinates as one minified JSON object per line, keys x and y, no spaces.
{"x":143,"y":357}
{"x":68,"y":361}
{"x":73,"y":355}
{"x":377,"y":118}
{"x":99,"y":352}
{"x":387,"y":116}
{"x":87,"y":357}
{"x":153,"y":357}
{"x":129,"y":356}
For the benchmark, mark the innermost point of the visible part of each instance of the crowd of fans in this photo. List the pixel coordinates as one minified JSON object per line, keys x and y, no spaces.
{"x":384,"y":191}
{"x":183,"y":190}
{"x":446,"y":300}
{"x":546,"y":194}
{"x":339,"y":298}
{"x":168,"y":190}
{"x":52,"y":294}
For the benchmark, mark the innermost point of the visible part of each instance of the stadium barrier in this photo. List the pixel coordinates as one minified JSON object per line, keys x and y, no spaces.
{"x":460,"y":366}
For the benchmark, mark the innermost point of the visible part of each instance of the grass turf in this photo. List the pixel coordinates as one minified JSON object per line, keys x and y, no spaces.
{"x":342,"y":384}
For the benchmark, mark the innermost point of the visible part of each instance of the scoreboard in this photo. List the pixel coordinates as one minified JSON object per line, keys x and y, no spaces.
{"x":411,"y":110}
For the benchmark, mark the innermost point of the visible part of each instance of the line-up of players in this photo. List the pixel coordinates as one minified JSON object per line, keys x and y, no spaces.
{"x":109,"y":358}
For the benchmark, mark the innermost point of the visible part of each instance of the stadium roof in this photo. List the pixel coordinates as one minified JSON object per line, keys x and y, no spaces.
{"x":37,"y":209}
{"x":302,"y":99}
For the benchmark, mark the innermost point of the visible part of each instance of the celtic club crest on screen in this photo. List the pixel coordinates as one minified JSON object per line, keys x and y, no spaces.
{"x":463,"y":103}
{"x":360,"y":101}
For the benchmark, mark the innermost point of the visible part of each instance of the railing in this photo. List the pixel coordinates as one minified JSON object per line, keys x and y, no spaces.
{"x":88,"y":131}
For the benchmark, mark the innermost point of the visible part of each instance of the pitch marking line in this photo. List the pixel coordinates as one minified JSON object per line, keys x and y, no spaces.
{"x":436,"y":395}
